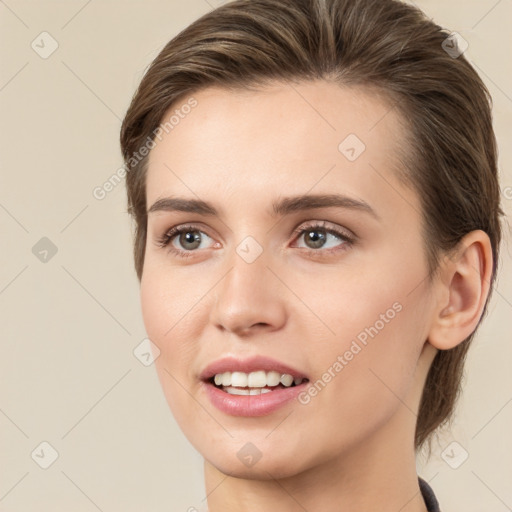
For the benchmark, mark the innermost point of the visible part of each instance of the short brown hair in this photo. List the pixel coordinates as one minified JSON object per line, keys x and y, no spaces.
{"x":389,"y":46}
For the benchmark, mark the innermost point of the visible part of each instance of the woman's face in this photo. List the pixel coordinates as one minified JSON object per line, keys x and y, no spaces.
{"x":336,"y":294}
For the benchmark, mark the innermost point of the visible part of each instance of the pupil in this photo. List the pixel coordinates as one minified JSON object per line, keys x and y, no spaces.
{"x":190,"y":238}
{"x":316,"y":240}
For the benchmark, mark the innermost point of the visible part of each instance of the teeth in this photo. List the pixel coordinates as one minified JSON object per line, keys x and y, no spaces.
{"x":258,"y":379}
{"x":246,"y":391}
{"x":286,"y":380}
{"x":273,"y":378}
{"x":238,"y":379}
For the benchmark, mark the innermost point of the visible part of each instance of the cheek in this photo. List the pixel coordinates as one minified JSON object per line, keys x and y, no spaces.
{"x":169,"y":303}
{"x":158,"y":311}
{"x":378,"y":319}
{"x":171,"y":322}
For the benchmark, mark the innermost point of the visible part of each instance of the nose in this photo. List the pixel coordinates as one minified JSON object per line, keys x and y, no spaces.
{"x":249,"y":299}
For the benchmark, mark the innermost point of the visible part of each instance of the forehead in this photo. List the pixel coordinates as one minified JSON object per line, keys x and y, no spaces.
{"x":286,"y":138}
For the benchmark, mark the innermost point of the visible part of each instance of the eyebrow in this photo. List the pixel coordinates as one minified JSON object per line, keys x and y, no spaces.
{"x":281,"y":207}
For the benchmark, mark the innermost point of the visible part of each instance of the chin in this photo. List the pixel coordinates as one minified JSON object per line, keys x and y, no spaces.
{"x":261,"y":470}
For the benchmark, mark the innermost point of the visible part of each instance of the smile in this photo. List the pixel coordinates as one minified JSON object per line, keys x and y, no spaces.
{"x":254,"y":383}
{"x":256,"y":386}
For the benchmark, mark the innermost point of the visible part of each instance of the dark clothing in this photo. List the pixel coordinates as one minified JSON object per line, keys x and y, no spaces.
{"x":428,"y":496}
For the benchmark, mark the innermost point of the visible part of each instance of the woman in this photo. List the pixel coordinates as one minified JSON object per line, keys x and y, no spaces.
{"x":317,"y":214}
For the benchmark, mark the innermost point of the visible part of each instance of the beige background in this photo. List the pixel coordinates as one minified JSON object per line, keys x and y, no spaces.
{"x":69,"y":325}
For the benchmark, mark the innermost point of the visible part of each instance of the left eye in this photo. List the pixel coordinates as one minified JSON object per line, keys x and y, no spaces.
{"x":316,"y":237}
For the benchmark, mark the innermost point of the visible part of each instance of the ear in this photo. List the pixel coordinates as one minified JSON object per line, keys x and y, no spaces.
{"x":462,"y":289}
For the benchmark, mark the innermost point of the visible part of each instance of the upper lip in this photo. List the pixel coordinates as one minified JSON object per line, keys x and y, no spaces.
{"x":251,"y":364}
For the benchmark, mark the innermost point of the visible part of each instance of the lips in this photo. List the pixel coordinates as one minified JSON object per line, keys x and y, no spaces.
{"x":252,"y":364}
{"x":238,"y":398}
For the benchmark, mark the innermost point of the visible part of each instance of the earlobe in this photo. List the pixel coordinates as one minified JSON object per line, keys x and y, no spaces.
{"x":462,"y":290}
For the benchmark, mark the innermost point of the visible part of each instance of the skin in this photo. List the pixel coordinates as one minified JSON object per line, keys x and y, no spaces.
{"x":352,"y":446}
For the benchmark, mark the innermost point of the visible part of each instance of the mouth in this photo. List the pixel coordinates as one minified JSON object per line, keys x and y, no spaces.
{"x":251,"y":387}
{"x":254,"y":383}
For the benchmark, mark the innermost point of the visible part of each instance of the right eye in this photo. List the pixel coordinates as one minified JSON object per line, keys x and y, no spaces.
{"x":189,"y":237}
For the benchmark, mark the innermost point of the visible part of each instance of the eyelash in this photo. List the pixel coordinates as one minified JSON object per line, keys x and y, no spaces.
{"x":165,"y":240}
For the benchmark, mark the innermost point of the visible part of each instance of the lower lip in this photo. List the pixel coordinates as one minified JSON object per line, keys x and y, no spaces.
{"x":251,"y":405}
